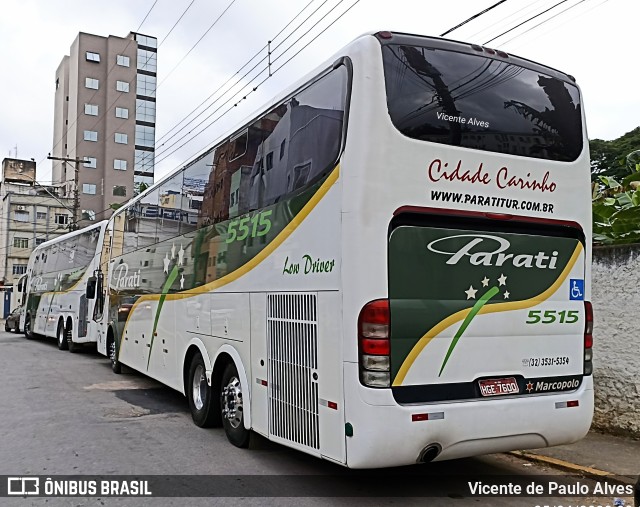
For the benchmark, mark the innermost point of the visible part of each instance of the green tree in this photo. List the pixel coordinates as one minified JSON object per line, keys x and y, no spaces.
{"x":609,"y":158}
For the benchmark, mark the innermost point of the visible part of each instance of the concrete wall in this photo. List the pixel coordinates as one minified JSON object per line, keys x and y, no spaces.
{"x":616,"y":306}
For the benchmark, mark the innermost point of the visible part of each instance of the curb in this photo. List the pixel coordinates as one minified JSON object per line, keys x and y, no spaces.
{"x":593,"y":473}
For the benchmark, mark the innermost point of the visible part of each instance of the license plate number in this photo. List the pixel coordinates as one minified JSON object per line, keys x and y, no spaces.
{"x":498,"y":386}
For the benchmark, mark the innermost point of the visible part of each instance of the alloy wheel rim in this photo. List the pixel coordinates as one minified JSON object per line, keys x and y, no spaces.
{"x":232,"y":408}
{"x":197,"y":388}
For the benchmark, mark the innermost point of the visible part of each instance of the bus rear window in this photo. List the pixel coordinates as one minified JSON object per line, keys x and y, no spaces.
{"x":477,"y":102}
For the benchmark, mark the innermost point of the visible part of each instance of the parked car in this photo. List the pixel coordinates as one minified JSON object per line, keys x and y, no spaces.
{"x":13,"y":320}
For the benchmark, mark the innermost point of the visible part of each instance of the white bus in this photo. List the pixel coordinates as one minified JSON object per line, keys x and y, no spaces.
{"x":55,"y":297}
{"x":388,"y":265}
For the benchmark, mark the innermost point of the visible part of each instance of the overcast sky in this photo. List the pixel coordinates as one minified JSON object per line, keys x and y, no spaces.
{"x":594,"y":40}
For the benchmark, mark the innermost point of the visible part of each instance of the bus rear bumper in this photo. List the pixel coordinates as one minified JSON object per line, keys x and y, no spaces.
{"x":388,"y":434}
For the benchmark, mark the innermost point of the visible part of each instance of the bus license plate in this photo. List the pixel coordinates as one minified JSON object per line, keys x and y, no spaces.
{"x":498,"y":386}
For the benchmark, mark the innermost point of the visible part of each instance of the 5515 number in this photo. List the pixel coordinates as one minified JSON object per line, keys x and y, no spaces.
{"x":551,"y":316}
{"x":252,"y":226}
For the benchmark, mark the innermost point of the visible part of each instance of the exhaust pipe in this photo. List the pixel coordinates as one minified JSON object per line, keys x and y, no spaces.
{"x":429,"y":453}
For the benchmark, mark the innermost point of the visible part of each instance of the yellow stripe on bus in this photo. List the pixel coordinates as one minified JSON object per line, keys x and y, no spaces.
{"x":261,"y":256}
{"x":497,"y":307}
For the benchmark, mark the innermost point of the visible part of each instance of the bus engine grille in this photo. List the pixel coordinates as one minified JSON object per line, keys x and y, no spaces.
{"x":292,"y":337}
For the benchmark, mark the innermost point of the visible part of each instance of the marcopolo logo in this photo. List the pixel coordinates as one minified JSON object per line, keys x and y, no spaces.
{"x":121,"y":278}
{"x":488,"y":250}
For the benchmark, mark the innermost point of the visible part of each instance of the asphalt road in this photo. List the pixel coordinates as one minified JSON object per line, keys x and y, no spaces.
{"x":68,"y":414}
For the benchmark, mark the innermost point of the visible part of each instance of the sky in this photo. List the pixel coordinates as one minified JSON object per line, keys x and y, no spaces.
{"x":593,"y":40}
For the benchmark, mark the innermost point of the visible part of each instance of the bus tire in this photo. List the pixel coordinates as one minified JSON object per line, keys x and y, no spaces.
{"x":73,"y":346}
{"x":112,"y":351}
{"x":199,"y":394}
{"x":7,"y":328}
{"x":232,"y":407}
{"x":28,"y":332}
{"x":61,"y":337}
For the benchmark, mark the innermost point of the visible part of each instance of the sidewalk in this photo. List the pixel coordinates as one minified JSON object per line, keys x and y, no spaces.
{"x":595,"y":455}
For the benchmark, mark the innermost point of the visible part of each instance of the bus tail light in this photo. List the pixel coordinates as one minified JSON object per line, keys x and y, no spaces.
{"x":373,"y":344}
{"x":588,"y":338}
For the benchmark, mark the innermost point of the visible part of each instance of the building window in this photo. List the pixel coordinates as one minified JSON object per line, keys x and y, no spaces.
{"x":19,"y":269}
{"x":282,"y":147}
{"x":91,"y":109}
{"x":90,"y":135}
{"x":93,"y":57}
{"x":88,"y":188}
{"x":120,"y":190}
{"x":121,"y":138}
{"x":91,"y":162}
{"x":122,"y":86}
{"x":63,"y":219}
{"x":21,"y":215}
{"x":21,"y":242}
{"x":41,"y":215}
{"x":145,"y":136}
{"x":147,"y":60}
{"x":269,"y":161}
{"x":122,"y":60}
{"x":39,"y":241}
{"x":92,"y":83}
{"x":122,"y":112}
{"x":150,"y":42}
{"x":88,"y":214}
{"x":143,"y":161}
{"x":145,"y":110}
{"x":146,"y":85}
{"x":120,"y":165}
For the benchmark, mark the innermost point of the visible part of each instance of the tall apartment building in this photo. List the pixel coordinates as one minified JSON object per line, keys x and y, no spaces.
{"x":105,"y":116}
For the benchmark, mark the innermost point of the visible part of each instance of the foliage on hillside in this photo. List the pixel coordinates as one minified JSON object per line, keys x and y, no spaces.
{"x":615,"y":171}
{"x":609,"y":158}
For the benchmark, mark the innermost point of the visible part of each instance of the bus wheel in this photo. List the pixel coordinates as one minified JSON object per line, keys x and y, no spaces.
{"x":232,"y":407}
{"x":62,"y":337}
{"x":116,"y":366}
{"x":73,"y":346}
{"x":27,"y":328}
{"x":7,"y":328}
{"x":199,"y":394}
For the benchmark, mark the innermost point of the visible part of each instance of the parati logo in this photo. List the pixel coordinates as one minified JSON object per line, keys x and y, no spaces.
{"x":487,"y":250}
{"x":37,"y":284}
{"x":121,"y":278}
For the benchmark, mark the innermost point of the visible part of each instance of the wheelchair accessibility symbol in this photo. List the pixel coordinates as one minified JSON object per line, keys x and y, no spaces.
{"x":576,"y":289}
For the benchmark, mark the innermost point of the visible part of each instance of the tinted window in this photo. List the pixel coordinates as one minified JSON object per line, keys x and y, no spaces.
{"x":477,"y":102}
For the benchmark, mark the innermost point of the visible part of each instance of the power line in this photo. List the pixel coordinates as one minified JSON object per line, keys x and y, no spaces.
{"x":265,"y":79}
{"x":472,"y":18}
{"x":549,"y":19}
{"x":235,"y":74}
{"x":526,"y":21}
{"x":166,"y":155}
{"x":198,"y":41}
{"x":176,"y":23}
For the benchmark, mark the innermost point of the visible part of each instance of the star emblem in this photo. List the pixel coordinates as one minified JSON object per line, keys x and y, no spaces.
{"x":166,"y":263}
{"x":529,"y":387}
{"x":173,"y":251}
{"x":502,"y":280}
{"x":485,"y":282}
{"x":181,"y":256}
{"x":506,"y":294}
{"x":471,"y":292}
{"x":182,"y":282}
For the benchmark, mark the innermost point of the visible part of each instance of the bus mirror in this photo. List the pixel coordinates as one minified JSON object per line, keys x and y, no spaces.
{"x":91,"y":287}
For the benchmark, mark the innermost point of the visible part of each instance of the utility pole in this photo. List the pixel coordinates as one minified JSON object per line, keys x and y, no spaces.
{"x":76,"y":196}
